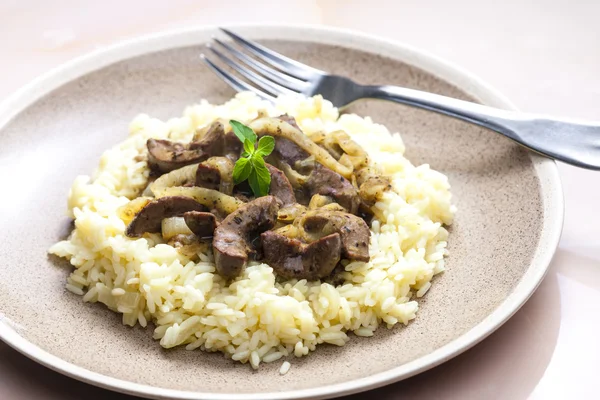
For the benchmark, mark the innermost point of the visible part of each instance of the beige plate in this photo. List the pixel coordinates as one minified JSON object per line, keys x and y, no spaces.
{"x":510,"y":213}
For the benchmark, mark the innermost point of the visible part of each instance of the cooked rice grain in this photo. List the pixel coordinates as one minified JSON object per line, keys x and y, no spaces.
{"x":255,"y":319}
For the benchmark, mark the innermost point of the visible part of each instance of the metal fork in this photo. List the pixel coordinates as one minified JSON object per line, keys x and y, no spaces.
{"x":270,"y":74}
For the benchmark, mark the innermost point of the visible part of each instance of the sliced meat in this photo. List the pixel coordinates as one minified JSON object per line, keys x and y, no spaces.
{"x":216,"y":173}
{"x":288,"y":151}
{"x":217,"y":142}
{"x":235,"y":238}
{"x":243,"y":192}
{"x":212,"y":141}
{"x":326,"y":182}
{"x":232,"y":146}
{"x":290,"y":258}
{"x":150,"y":217}
{"x":280,"y":186}
{"x":215,"y":201}
{"x":203,"y":224}
{"x":285,"y":149}
{"x":354,"y":231}
{"x":208,"y":176}
{"x":165,"y":156}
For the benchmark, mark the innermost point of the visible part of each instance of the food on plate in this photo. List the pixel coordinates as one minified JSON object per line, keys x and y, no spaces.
{"x":258,"y":230}
{"x":237,"y":236}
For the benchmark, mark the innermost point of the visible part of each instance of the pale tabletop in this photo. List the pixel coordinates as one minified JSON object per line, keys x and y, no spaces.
{"x":544,"y":55}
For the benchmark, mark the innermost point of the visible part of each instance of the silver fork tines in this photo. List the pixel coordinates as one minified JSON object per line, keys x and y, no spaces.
{"x":291,"y":67}
{"x":261,"y":68}
{"x":233,"y":81}
{"x":275,"y":76}
{"x":252,"y":76}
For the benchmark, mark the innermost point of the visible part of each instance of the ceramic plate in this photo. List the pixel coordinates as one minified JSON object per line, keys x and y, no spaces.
{"x":507,"y":227}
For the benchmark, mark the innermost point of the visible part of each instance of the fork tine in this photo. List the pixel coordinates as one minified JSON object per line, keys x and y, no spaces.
{"x":253,"y":77}
{"x":233,"y":81}
{"x":272,"y":74}
{"x":291,"y":67}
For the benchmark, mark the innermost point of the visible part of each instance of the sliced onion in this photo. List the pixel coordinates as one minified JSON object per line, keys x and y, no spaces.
{"x":148,"y":191}
{"x":354,"y":154}
{"x":318,"y":137}
{"x":192,"y":250}
{"x":128,"y":211}
{"x":212,"y":199}
{"x":278,"y":128}
{"x":333,"y":207}
{"x":297,"y":180}
{"x":318,"y":201}
{"x":290,"y":231}
{"x":177,"y":177}
{"x":289,"y":213}
{"x":225,"y":167}
{"x":174,"y":226}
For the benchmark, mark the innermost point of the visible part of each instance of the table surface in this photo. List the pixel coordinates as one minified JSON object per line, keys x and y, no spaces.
{"x":543,"y":55}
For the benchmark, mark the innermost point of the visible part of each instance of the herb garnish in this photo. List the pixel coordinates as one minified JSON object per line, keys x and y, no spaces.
{"x":251,"y":164}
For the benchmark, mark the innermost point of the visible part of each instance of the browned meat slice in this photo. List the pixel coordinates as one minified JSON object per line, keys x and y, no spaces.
{"x":353,"y":230}
{"x":326,"y":182}
{"x":285,"y":149}
{"x":208,"y":176}
{"x":217,"y":142}
{"x":236,"y":236}
{"x":290,"y":258}
{"x":216,"y":173}
{"x":165,"y":156}
{"x":212,"y":141}
{"x":203,"y":224}
{"x":288,"y":151}
{"x":150,"y":217}
{"x":232,"y":147}
{"x":280,"y":186}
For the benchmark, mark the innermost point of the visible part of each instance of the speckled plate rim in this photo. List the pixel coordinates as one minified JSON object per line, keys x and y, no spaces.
{"x":546,"y":170}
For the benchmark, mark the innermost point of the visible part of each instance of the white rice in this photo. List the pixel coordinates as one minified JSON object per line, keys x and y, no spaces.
{"x":285,"y":367}
{"x":254,"y":319}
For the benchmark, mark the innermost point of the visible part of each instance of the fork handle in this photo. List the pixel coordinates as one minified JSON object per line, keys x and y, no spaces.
{"x":573,"y":142}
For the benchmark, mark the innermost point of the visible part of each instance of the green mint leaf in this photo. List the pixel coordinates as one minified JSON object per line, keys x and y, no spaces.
{"x":254,"y":185}
{"x":249,"y":147}
{"x":266,"y":144}
{"x":264,"y":179}
{"x":257,"y":161}
{"x":251,"y":165}
{"x":242,"y":131}
{"x":242,"y":170}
